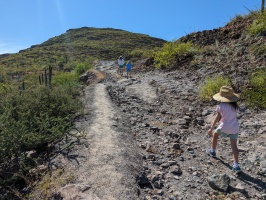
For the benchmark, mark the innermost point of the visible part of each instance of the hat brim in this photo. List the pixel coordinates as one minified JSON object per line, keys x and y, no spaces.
{"x":234,"y":98}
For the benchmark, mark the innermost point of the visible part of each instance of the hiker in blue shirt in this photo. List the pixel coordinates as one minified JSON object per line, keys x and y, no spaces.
{"x":129,"y":68}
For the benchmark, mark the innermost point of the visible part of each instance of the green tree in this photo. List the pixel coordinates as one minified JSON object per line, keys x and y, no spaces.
{"x":262,"y":5}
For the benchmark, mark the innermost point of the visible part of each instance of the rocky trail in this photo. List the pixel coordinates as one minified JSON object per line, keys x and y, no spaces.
{"x":146,"y":139}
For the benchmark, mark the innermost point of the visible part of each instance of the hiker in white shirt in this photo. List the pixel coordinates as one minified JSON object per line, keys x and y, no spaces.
{"x":121,"y":65}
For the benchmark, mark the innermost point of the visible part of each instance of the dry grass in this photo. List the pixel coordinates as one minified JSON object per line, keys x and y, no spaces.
{"x":51,"y":182}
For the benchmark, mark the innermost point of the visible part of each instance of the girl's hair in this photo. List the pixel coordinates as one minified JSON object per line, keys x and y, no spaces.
{"x":234,"y":105}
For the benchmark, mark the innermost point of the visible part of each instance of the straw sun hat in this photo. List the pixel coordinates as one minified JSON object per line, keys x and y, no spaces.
{"x":226,"y":94}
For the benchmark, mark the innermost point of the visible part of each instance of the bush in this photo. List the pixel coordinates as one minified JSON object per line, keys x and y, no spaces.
{"x":33,"y":118}
{"x":259,"y":50}
{"x":4,"y":85}
{"x":255,"y":95}
{"x":259,"y":25}
{"x":173,"y":52}
{"x":212,"y":86}
{"x":81,"y":68}
{"x":65,"y":78}
{"x":136,"y":53}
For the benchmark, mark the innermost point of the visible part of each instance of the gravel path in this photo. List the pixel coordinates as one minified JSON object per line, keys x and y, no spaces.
{"x":106,"y":154}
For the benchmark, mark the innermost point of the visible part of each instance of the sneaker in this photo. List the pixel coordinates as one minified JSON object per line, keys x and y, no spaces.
{"x":236,"y":169}
{"x":210,"y":153}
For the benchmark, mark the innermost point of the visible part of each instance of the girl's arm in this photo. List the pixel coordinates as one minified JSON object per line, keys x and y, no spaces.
{"x":216,"y":119}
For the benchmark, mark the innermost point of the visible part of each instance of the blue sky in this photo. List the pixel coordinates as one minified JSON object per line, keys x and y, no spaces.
{"x":30,"y":22}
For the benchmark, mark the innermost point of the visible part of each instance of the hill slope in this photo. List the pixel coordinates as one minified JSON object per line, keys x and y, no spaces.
{"x":228,"y":50}
{"x":79,"y":44}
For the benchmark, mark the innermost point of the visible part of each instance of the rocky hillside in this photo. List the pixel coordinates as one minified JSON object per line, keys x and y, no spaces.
{"x":228,"y":50}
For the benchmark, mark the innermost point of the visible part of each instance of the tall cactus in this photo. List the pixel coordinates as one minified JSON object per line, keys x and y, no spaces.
{"x":45,"y":77}
{"x":50,"y":75}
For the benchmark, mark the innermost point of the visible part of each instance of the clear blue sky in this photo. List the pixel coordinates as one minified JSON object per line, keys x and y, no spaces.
{"x":30,"y":22}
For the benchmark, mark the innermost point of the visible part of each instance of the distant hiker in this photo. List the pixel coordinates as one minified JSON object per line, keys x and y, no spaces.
{"x":129,"y":68}
{"x":226,"y":115}
{"x":121,"y":65}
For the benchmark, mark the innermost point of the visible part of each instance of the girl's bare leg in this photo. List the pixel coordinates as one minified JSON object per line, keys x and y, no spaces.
{"x":234,"y":149}
{"x":215,"y":137}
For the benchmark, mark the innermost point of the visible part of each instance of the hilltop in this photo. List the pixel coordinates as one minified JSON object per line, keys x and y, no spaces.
{"x":77,"y":45}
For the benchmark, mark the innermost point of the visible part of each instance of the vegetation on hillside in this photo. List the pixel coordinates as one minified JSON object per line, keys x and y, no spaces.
{"x":78,"y":46}
{"x":33,"y":117}
{"x":212,"y":85}
{"x":255,"y":93}
{"x":259,"y":24}
{"x":228,"y":44}
{"x":173,"y":52}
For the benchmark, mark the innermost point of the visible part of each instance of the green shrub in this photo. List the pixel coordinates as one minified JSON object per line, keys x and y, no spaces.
{"x":33,"y":118}
{"x":65,"y":78}
{"x":137,"y":53}
{"x":259,"y":25}
{"x":4,"y":88}
{"x":236,"y":18}
{"x":173,"y":52}
{"x":212,"y":85}
{"x":259,"y":50}
{"x":255,"y":95}
{"x":81,"y":68}
{"x":141,"y":53}
{"x":4,"y":85}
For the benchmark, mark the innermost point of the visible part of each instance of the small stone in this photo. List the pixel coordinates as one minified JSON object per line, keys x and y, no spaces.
{"x":32,"y":154}
{"x":240,"y":187}
{"x":165,"y":165}
{"x":142,"y":179}
{"x":182,"y":122}
{"x":172,"y":162}
{"x":148,"y":198}
{"x":176,"y":146}
{"x":219,"y":182}
{"x":176,"y":170}
{"x":158,"y":172}
{"x":159,"y":192}
{"x":181,"y":158}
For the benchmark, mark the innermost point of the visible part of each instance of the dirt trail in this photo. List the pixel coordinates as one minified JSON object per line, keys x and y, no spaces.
{"x":107,"y":163}
{"x":106,"y":181}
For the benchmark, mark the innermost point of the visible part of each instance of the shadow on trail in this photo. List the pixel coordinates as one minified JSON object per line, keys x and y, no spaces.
{"x":72,"y":157}
{"x":258,"y":184}
{"x":232,"y":190}
{"x":246,"y":178}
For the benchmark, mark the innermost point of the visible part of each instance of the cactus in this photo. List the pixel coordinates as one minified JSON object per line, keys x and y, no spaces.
{"x":50,"y":75}
{"x":45,"y":77}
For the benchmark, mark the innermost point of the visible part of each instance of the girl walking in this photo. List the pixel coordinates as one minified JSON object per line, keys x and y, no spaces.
{"x":228,"y":124}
